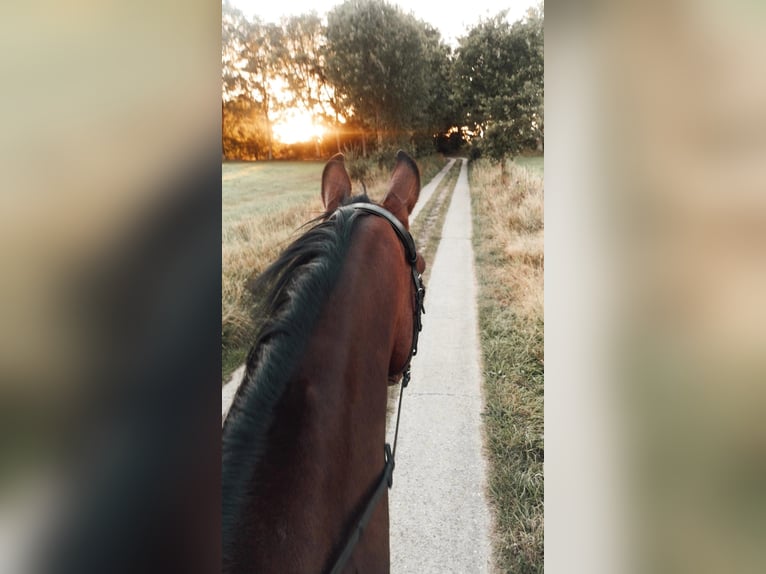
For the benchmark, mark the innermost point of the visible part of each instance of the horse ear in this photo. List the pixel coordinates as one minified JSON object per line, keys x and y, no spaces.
{"x":404,"y":189}
{"x":336,"y":185}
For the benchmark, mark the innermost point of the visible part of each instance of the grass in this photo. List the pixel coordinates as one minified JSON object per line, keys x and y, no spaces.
{"x":264,"y":205}
{"x":533,"y":163}
{"x":508,"y":243}
{"x":260,"y":188}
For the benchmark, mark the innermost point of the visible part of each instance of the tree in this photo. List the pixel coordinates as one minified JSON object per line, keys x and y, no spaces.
{"x":499,"y":82}
{"x":302,"y":67}
{"x":261,"y":48}
{"x":233,"y":31}
{"x":441,"y":116}
{"x":233,"y":25}
{"x":378,"y":62}
{"x":249,"y":53}
{"x":244,"y":136}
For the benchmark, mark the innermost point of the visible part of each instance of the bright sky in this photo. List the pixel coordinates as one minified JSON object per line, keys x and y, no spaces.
{"x":450,"y":22}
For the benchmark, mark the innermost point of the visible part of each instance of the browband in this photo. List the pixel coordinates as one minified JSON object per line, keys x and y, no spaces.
{"x":404,"y":235}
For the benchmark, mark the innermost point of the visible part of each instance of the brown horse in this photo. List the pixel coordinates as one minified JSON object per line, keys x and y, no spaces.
{"x":303,"y":439}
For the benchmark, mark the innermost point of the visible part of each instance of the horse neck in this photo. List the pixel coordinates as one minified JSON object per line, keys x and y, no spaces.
{"x":327,"y":442}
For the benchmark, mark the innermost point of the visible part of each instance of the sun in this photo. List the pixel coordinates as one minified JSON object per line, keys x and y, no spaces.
{"x":297,"y":126}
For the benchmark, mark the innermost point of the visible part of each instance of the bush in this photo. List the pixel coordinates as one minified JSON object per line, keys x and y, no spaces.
{"x":449,"y":143}
{"x":360,"y":168}
{"x":385,"y":157}
{"x":476,"y":150}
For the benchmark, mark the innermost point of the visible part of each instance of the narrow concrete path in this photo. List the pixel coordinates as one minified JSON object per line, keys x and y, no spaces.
{"x":428,"y":190}
{"x":230,"y":388}
{"x":439,"y":516}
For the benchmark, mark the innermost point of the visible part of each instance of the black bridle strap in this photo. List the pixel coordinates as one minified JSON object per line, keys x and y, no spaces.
{"x":386,"y":479}
{"x":412,"y":256}
{"x":404,"y":236}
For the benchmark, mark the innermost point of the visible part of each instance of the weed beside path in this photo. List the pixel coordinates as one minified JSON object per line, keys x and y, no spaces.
{"x":508,"y":246}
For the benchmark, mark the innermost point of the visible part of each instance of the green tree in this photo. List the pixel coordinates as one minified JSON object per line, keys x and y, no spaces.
{"x":234,"y":81}
{"x":233,"y":24}
{"x":250,"y":65}
{"x":243,"y":136}
{"x":441,"y":116}
{"x":302,"y":67}
{"x":262,"y":45}
{"x":378,"y":61}
{"x":499,"y":82}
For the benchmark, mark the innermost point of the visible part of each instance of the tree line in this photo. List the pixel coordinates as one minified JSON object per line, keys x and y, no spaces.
{"x":379,"y":78}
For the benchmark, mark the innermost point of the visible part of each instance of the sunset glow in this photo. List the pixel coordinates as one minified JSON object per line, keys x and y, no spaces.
{"x":296,"y":127}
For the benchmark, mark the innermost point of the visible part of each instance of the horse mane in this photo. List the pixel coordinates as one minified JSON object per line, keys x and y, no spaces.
{"x":294,"y":289}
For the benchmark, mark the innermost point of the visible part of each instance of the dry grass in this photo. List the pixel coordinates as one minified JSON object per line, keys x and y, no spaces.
{"x":511,"y":218}
{"x":248,"y":247}
{"x":378,"y":174}
{"x":508,"y":242}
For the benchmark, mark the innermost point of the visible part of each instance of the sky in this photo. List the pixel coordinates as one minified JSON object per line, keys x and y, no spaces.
{"x":452,"y":23}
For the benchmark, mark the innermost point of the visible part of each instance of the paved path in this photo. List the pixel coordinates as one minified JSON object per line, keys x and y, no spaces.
{"x":440,"y":519}
{"x":428,"y":190}
{"x":230,"y":388}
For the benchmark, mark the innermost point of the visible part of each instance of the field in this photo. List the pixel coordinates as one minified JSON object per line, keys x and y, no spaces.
{"x":263,"y":205}
{"x":533,"y":163}
{"x":259,"y":188}
{"x":508,"y":246}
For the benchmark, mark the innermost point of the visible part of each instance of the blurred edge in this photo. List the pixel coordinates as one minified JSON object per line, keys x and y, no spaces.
{"x":110,"y":243}
{"x":655,"y":286}
{"x":655,"y":282}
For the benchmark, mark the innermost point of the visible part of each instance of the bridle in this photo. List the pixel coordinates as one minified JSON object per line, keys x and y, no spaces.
{"x":387,"y":476}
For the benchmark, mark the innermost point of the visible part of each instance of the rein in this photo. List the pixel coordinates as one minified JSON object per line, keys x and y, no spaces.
{"x":386,"y":479}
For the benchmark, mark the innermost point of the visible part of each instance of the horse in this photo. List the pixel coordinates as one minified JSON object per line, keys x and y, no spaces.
{"x":303,"y":441}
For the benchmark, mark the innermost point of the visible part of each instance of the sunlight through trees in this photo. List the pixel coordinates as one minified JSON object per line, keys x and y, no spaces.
{"x":367,"y":77}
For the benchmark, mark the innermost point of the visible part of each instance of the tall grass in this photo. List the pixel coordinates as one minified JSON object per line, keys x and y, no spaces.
{"x":508,"y":242}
